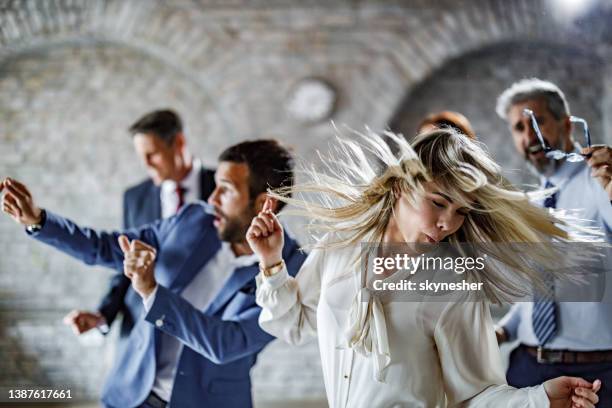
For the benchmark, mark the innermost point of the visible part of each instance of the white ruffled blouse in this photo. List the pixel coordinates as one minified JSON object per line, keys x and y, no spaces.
{"x":395,"y":354}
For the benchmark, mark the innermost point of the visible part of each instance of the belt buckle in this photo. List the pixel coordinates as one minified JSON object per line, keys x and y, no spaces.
{"x":549,"y":356}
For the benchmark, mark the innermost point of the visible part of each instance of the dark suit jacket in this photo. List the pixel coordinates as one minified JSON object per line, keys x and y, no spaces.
{"x":141,"y":206}
{"x":221,"y":341}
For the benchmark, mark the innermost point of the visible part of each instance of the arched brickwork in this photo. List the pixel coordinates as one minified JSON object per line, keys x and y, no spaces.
{"x":75,"y":73}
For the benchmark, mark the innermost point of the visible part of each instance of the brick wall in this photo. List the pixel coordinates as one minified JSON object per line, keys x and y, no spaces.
{"x":75,"y":74}
{"x":470,"y":84}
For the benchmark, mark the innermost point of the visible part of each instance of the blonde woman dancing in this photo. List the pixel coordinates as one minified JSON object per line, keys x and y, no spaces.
{"x":442,"y":186}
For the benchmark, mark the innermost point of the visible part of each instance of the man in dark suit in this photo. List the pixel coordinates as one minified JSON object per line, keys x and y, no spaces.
{"x":196,"y":334}
{"x":176,"y":178}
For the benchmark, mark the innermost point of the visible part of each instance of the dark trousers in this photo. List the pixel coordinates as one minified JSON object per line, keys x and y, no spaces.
{"x":525,"y":371}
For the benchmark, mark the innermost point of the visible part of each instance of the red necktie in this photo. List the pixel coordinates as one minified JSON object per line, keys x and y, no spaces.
{"x":180,"y":193}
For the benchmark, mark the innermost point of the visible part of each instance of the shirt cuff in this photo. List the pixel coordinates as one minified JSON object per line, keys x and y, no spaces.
{"x":538,"y":396}
{"x":103,"y":326}
{"x":148,"y":302}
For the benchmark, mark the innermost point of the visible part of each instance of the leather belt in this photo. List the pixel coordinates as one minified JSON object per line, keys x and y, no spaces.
{"x":547,"y":356}
{"x":154,"y":401}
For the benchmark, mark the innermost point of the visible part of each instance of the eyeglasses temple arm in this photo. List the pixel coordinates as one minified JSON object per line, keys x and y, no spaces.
{"x":585,"y":125}
{"x":536,"y":128}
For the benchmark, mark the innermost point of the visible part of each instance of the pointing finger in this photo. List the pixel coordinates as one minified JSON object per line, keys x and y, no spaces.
{"x":267,"y":204}
{"x":124,"y":243}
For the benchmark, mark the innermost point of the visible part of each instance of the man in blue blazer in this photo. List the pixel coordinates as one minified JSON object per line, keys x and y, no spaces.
{"x":161,"y":145}
{"x":196,"y":337}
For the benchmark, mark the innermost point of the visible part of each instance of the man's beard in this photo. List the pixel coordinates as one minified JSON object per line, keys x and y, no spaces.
{"x":236,"y":228}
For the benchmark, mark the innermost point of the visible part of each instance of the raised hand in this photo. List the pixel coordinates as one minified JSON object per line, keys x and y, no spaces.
{"x":138,"y":265}
{"x":82,"y":321}
{"x":18,"y":203}
{"x":601,"y":164}
{"x":572,"y":392}
{"x":265,"y":236}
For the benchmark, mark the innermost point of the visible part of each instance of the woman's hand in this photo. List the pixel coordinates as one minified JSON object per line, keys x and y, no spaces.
{"x":265,"y":236}
{"x":572,"y":392}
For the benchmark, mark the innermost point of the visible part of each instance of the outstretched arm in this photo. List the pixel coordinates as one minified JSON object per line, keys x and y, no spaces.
{"x":88,"y":245}
{"x":113,"y":301}
{"x":472,"y":369}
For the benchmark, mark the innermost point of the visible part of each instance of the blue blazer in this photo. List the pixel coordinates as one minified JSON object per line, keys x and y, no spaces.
{"x":141,"y":205}
{"x":221,"y":342}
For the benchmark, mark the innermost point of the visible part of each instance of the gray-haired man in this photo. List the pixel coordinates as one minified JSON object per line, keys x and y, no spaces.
{"x":558,"y":338}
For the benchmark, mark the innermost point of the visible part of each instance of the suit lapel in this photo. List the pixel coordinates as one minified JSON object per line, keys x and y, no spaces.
{"x":187,"y":254}
{"x":240,"y":277}
{"x":201,"y":253}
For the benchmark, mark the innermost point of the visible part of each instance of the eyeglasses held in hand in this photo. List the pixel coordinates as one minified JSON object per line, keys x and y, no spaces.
{"x":558,"y":154}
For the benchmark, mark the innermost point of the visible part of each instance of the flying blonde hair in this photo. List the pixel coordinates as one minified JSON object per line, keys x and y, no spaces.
{"x":354,"y":194}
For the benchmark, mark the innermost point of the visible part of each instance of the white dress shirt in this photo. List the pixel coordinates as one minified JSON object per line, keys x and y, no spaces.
{"x":581,"y":193}
{"x":395,"y":354}
{"x":191,"y":182}
{"x":199,"y":292}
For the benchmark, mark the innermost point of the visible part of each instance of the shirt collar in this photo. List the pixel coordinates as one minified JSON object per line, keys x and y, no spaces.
{"x":191,"y":181}
{"x":238,"y":261}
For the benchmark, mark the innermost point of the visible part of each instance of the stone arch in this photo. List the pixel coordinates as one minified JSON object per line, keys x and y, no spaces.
{"x":471,"y":83}
{"x":242,"y":55}
{"x":204,"y":39}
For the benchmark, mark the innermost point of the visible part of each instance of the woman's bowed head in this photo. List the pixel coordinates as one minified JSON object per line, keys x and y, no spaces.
{"x":442,"y":186}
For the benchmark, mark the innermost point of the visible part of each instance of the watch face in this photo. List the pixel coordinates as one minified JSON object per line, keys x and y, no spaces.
{"x":33,"y":228}
{"x":311,"y":100}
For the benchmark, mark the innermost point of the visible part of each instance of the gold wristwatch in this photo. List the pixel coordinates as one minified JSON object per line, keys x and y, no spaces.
{"x":272,"y":270}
